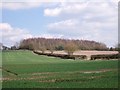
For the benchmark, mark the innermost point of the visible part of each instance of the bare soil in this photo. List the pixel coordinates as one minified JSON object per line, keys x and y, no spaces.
{"x":85,"y":52}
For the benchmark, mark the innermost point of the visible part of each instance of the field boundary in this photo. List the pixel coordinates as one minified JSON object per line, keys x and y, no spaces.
{"x":63,"y":56}
{"x":84,"y":57}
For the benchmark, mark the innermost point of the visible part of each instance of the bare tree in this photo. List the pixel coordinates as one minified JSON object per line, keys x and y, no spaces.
{"x":42,"y":48}
{"x":51,"y":48}
{"x":52,"y":44}
{"x":70,"y":48}
{"x":35,"y":45}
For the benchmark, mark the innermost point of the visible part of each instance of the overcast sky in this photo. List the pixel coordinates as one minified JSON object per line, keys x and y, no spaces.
{"x":83,"y":19}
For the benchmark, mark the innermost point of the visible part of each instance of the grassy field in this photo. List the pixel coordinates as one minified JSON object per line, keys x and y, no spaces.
{"x":24,"y":69}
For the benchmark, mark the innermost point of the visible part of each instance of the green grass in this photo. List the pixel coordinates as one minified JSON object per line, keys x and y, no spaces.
{"x":35,"y":71}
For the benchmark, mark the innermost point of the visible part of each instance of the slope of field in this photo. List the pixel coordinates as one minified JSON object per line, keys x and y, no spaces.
{"x":24,"y":69}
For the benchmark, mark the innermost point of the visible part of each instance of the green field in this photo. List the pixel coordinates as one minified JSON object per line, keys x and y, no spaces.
{"x":24,"y":69}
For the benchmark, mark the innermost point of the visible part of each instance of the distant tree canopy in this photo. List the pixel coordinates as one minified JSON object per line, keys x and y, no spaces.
{"x":60,"y":44}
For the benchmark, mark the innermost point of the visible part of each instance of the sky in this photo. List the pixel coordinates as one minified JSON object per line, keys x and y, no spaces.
{"x":74,"y":19}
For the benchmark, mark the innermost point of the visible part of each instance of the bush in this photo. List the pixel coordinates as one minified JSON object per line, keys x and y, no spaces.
{"x":111,"y":56}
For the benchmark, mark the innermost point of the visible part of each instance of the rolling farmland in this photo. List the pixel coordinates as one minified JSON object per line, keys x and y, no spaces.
{"x":24,"y":69}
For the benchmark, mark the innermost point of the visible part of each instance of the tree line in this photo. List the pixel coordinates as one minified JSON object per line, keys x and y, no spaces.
{"x":60,"y":44}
